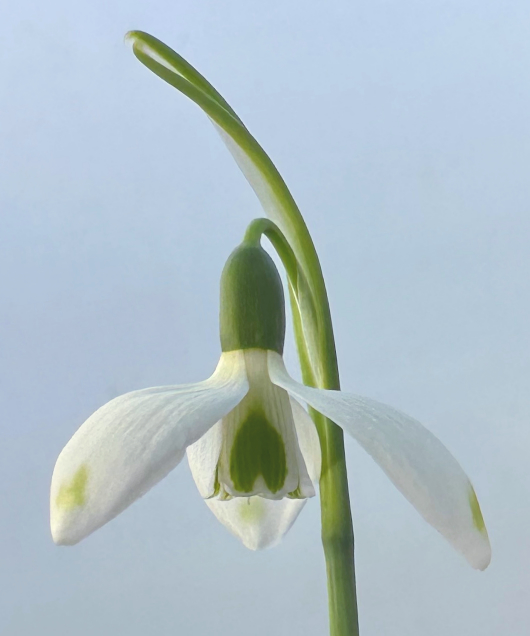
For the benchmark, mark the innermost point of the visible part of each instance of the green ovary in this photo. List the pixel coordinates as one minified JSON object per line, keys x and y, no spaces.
{"x":73,"y":495}
{"x":258,"y":449}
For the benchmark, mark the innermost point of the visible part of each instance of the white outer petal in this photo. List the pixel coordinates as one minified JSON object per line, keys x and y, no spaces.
{"x":417,"y":463}
{"x":307,"y":435}
{"x":132,"y":442}
{"x":257,"y":522}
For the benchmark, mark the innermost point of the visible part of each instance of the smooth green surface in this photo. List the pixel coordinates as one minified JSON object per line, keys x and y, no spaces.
{"x":252,"y":308}
{"x":258,"y":449}
{"x":314,"y":332}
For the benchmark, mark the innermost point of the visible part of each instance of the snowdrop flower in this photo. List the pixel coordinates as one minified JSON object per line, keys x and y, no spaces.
{"x":252,"y":448}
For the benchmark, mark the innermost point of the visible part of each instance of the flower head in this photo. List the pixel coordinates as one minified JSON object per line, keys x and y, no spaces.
{"x":252,"y":448}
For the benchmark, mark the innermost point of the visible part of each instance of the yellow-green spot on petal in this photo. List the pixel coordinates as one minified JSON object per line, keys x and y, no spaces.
{"x":478,"y":519}
{"x":252,"y":509}
{"x":73,"y":495}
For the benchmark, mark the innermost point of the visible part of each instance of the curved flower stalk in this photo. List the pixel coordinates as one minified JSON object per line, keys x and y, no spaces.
{"x":252,"y":448}
{"x":266,"y":182}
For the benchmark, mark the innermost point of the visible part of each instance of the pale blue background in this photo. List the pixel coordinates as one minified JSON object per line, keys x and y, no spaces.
{"x":402,"y":128}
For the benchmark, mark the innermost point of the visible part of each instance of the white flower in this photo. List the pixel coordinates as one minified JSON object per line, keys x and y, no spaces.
{"x":252,"y":448}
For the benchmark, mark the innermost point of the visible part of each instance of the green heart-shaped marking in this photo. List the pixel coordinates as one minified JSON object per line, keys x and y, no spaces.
{"x":258,"y":449}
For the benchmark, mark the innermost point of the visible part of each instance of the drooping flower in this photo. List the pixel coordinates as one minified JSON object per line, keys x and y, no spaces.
{"x":252,"y":448}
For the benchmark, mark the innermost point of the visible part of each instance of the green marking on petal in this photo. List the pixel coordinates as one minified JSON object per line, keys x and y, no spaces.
{"x":478,"y":519}
{"x":73,"y":495}
{"x":216,"y":485}
{"x":296,"y":494}
{"x":252,"y":510}
{"x":258,"y":449}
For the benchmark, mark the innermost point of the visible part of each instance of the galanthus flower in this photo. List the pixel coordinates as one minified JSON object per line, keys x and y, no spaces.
{"x":252,"y":448}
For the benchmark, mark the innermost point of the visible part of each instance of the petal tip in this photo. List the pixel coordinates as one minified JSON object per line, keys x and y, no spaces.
{"x":481,"y":557}
{"x":476,"y":512}
{"x":61,"y":534}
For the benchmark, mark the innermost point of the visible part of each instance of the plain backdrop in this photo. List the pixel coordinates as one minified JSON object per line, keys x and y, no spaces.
{"x":402,"y":129}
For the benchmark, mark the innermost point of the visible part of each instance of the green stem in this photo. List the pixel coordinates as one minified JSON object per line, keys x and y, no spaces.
{"x":254,"y":232}
{"x":313,"y":326}
{"x":337,"y":528}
